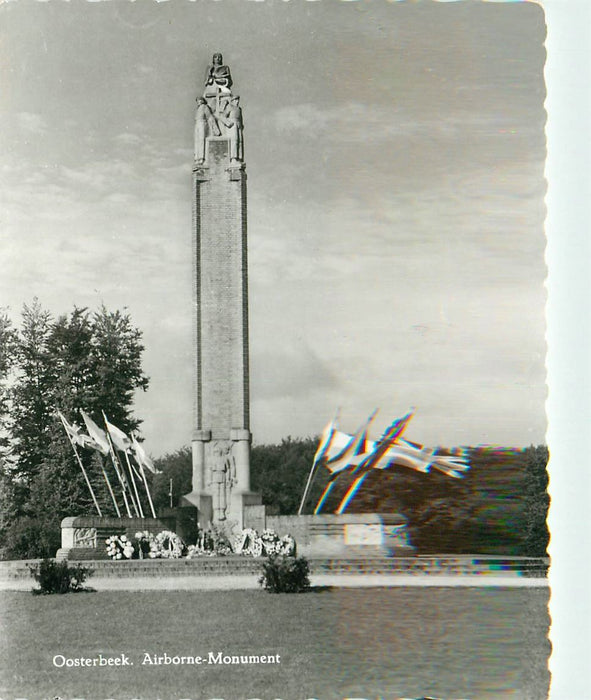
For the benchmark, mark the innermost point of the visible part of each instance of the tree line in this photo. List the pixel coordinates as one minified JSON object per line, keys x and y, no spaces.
{"x":499,"y":507}
{"x":93,"y":361}
{"x":78,"y":360}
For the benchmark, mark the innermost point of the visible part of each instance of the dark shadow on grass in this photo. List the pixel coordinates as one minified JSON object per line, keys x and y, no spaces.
{"x":86,"y":589}
{"x":310,"y":589}
{"x":320,"y":589}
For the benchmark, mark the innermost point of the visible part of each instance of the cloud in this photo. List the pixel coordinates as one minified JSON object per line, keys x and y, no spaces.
{"x":128,"y":139}
{"x":291,"y":372}
{"x":360,"y":122}
{"x":32,"y":122}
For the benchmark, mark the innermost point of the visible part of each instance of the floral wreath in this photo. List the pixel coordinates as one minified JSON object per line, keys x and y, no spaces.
{"x":166,"y":545}
{"x":119,"y":547}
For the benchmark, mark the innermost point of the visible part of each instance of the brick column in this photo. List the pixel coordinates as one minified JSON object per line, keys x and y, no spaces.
{"x":221,"y":373}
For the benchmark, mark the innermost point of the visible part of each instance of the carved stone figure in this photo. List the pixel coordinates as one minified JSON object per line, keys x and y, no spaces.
{"x":223,"y":477}
{"x":218,"y":75}
{"x":205,"y":124}
{"x":232,"y":120}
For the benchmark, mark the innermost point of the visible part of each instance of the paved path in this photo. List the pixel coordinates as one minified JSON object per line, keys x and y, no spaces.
{"x":221,"y":583}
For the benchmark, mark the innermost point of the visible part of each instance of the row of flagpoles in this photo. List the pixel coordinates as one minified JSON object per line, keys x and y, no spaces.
{"x":112,"y":441}
{"x":340,"y":452}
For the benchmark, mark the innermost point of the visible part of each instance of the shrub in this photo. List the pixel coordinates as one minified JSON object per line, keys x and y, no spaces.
{"x":285,"y":574}
{"x":31,"y":538}
{"x":54,"y":577}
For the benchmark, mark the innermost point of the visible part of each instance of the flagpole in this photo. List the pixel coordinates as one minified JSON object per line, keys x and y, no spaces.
{"x":315,"y":466}
{"x":121,"y":478}
{"x":125,"y":481}
{"x":139,"y":505}
{"x":110,"y":488}
{"x":140,"y":457}
{"x":98,"y":508}
{"x":143,"y":473}
{"x":318,"y":459}
{"x":131,"y":498}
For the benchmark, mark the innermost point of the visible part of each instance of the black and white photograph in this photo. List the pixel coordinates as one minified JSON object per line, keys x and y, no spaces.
{"x":276,"y":351}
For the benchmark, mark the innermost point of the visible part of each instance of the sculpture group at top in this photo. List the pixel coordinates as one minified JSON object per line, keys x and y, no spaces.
{"x":218,"y":112}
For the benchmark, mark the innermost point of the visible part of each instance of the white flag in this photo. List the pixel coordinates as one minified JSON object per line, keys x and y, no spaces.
{"x":142,"y":457}
{"x":119,"y":438}
{"x":98,"y":436}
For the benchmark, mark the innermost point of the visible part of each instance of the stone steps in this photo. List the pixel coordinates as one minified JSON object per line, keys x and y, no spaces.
{"x":240,"y":566}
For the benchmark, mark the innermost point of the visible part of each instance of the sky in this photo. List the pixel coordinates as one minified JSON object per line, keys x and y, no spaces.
{"x":395,"y":157}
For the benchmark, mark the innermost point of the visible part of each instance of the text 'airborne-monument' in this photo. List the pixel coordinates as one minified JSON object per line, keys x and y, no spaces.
{"x":221,"y":437}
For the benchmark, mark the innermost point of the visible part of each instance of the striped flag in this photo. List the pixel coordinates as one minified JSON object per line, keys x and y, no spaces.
{"x":341,"y":451}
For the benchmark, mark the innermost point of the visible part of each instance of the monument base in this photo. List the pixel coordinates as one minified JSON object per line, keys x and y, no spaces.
{"x":340,"y":536}
{"x":235,"y":518}
{"x":84,"y":537}
{"x":203,"y":503}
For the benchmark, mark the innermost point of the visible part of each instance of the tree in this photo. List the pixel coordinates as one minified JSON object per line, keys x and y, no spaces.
{"x":30,"y":396}
{"x":499,"y":507}
{"x":279,"y":472}
{"x":8,"y":338}
{"x":78,"y":361}
{"x":178,"y":467}
{"x":117,"y":353}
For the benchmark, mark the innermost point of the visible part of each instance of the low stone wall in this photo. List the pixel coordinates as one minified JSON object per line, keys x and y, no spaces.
{"x":363,"y":534}
{"x":440,"y":565}
{"x":84,"y":537}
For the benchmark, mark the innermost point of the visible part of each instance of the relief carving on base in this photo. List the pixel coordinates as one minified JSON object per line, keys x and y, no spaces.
{"x":85,"y":537}
{"x":397,"y":535}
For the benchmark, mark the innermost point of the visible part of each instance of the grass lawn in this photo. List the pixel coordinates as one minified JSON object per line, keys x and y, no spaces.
{"x":359,"y":643}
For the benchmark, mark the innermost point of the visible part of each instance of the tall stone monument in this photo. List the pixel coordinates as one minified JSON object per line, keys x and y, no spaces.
{"x":221,"y":436}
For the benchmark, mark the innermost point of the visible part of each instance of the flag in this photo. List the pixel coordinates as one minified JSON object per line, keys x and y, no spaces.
{"x":142,"y":458}
{"x":390,"y":436}
{"x":395,"y":429}
{"x":72,"y":430}
{"x":119,"y":438}
{"x":98,"y":436}
{"x":354,"y":452}
{"x":422,"y":459}
{"x":341,"y":451}
{"x":325,"y":442}
{"x":77,"y":438}
{"x":369,"y":459}
{"x":76,"y":435}
{"x":338,"y":443}
{"x":408,"y":454}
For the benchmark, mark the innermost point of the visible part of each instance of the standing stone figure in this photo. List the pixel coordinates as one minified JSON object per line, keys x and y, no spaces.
{"x":218,"y":75}
{"x":232,"y":120}
{"x":223,"y":477}
{"x":205,"y":123}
